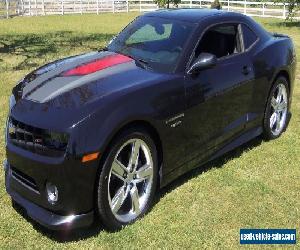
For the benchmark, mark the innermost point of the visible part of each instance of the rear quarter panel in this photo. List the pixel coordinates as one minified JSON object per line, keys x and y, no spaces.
{"x":271,"y":58}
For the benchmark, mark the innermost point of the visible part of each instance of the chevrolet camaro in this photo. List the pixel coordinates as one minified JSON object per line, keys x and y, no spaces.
{"x":93,"y":137}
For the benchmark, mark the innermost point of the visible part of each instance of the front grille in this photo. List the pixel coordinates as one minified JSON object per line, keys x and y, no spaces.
{"x":24,"y":179}
{"x":34,"y":139}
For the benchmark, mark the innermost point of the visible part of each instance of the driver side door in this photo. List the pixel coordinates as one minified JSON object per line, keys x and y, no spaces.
{"x":217,"y":98}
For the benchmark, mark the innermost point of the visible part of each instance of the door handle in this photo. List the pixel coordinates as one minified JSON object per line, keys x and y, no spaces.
{"x":246,"y":70}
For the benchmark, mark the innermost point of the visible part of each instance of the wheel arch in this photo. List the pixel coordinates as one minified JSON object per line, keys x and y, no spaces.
{"x":142,"y":124}
{"x":150,"y":129}
{"x":284,"y":73}
{"x":279,"y":73}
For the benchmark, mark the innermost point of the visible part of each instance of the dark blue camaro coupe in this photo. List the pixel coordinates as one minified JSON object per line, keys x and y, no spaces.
{"x":95,"y":135}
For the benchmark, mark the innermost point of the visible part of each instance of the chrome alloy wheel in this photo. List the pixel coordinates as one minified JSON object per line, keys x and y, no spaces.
{"x":130,"y":180}
{"x":278,"y":109}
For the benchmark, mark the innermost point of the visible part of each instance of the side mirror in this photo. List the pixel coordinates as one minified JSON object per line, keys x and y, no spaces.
{"x":204,"y":61}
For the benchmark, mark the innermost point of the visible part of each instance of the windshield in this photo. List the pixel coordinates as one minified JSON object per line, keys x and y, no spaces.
{"x":156,"y":43}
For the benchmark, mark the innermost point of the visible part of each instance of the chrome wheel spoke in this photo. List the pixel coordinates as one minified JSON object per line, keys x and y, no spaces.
{"x":144,"y":172}
{"x":135,"y":199}
{"x":279,"y":93}
{"x":118,"y":169}
{"x":273,"y":119}
{"x":278,"y":121}
{"x":282,"y":106}
{"x":134,"y":157}
{"x":274,"y":102}
{"x":118,"y":199}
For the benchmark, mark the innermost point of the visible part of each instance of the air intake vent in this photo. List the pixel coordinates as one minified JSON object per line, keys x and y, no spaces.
{"x":24,"y":179}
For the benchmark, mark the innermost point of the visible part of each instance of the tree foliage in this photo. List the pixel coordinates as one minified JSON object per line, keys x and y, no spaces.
{"x":293,"y":8}
{"x":216,"y":5}
{"x":166,"y":3}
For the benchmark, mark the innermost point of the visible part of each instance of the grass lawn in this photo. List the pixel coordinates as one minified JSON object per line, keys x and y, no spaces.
{"x":256,"y":186}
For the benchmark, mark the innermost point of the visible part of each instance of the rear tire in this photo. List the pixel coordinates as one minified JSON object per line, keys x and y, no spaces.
{"x":128,"y":180}
{"x":277,"y":110}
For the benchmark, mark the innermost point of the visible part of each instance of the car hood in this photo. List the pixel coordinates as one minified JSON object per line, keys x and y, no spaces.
{"x":72,"y":89}
{"x":83,"y":77}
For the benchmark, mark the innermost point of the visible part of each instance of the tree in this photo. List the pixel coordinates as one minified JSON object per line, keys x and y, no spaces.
{"x":166,"y":3}
{"x":293,"y":7}
{"x":216,"y":5}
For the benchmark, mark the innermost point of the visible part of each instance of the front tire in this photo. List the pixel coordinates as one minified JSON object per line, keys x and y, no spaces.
{"x":276,"y":112}
{"x":128,"y":180}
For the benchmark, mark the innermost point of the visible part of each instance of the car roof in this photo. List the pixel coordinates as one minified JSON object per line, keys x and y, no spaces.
{"x":189,"y":15}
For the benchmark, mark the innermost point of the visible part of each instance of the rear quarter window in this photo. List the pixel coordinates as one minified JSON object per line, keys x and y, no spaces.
{"x":249,"y":36}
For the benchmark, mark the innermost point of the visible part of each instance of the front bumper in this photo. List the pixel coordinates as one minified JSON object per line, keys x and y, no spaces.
{"x":43,"y":216}
{"x":26,"y":175}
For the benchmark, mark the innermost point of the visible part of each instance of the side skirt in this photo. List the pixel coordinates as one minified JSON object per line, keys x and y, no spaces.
{"x":249,"y":135}
{"x":242,"y":139}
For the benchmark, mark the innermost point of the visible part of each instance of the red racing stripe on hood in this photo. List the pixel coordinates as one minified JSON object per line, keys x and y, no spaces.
{"x":97,"y":65}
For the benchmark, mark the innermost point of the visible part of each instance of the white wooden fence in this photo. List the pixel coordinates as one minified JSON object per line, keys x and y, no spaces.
{"x":50,"y":7}
{"x":9,"y":8}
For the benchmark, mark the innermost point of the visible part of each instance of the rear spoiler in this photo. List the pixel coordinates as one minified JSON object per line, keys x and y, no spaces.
{"x":277,"y":35}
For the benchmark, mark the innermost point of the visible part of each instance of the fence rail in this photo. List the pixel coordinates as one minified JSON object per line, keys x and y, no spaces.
{"x":62,"y":7}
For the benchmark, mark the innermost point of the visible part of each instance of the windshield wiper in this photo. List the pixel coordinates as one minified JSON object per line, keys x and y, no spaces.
{"x":143,"y":63}
{"x":103,"y":49}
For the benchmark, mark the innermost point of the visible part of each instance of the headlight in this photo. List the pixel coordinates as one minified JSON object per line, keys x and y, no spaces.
{"x":56,"y":140}
{"x":5,"y":130}
{"x":12,"y":102}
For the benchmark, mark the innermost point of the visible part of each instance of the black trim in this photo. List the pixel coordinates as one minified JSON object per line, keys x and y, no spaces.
{"x":242,"y":32}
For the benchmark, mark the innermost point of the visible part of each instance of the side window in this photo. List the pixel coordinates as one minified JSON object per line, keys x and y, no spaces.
{"x":221,"y":40}
{"x":249,"y":36}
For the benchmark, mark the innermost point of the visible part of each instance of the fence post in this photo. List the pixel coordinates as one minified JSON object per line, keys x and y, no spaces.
{"x":22,"y":7}
{"x":140,"y":6}
{"x":228,"y":3}
{"x":62,"y":7}
{"x":191,"y":2}
{"x":127,"y":5}
{"x":113,"y":5}
{"x":200,"y":3}
{"x":43,"y":7}
{"x":29,"y":7}
{"x":81,"y":7}
{"x":97,"y":7}
{"x":263,"y":9}
{"x":35,"y":6}
{"x":245,"y":7}
{"x":7,"y":8}
{"x":284,"y":11}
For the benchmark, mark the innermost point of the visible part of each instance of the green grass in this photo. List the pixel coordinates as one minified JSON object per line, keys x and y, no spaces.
{"x":256,"y":186}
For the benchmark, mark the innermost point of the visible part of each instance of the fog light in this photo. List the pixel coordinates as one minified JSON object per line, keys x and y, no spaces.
{"x":52,"y":193}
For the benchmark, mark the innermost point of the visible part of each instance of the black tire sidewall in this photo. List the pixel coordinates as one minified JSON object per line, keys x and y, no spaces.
{"x":267,"y":133}
{"x":103,"y":208}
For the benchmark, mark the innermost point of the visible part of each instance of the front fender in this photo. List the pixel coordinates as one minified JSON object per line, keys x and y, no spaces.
{"x":153,"y":104}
